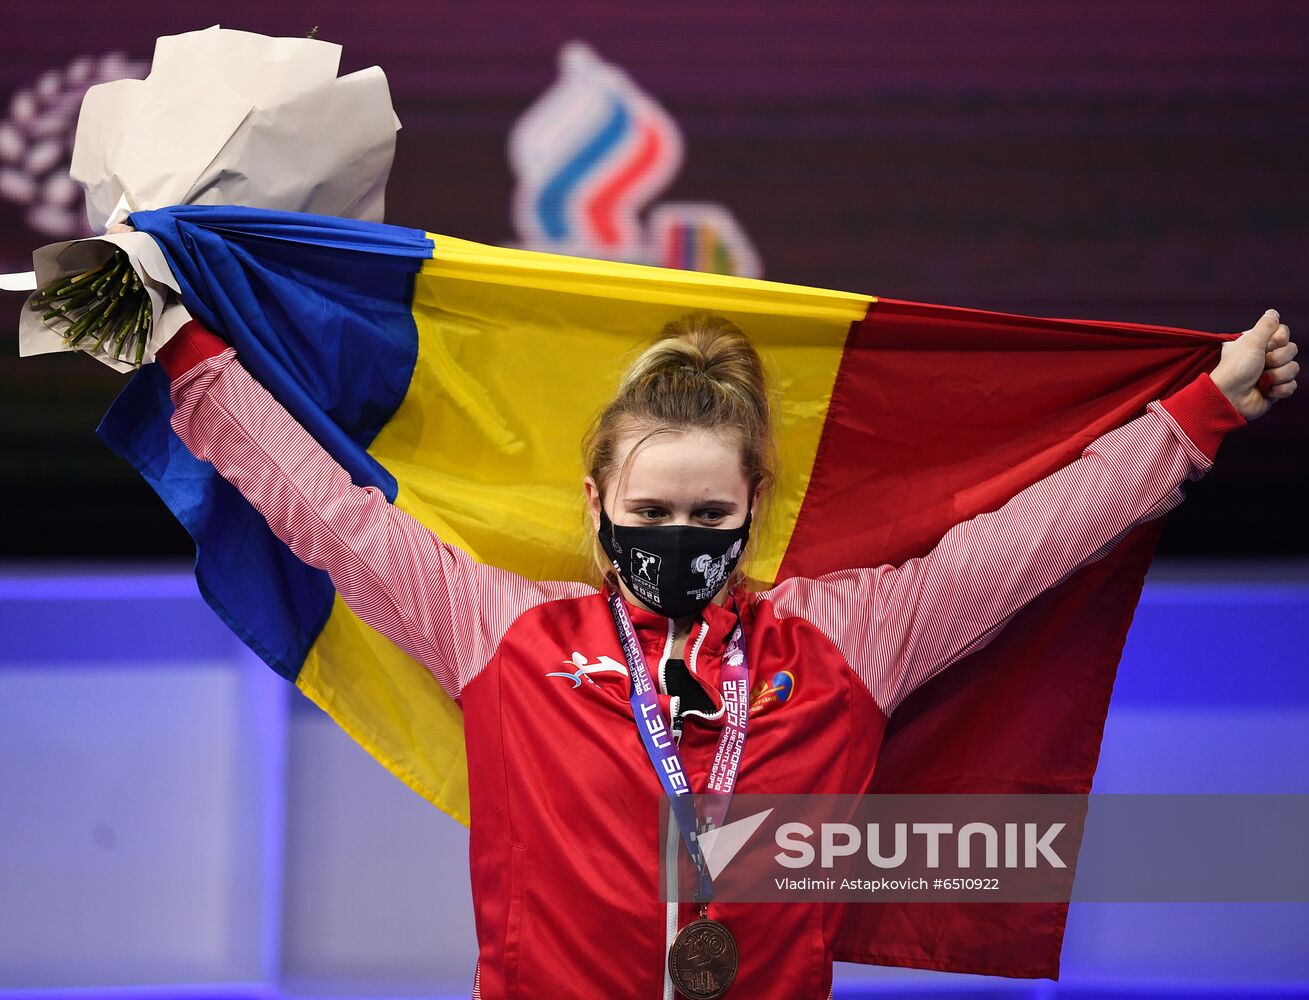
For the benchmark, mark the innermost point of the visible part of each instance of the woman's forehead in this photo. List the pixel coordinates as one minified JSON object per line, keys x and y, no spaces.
{"x":692,"y":464}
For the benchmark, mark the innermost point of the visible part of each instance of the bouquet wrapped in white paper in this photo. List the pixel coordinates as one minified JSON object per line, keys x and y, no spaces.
{"x":224,"y":118}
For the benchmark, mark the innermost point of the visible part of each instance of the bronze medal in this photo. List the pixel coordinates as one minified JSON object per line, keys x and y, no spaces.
{"x":702,"y":961}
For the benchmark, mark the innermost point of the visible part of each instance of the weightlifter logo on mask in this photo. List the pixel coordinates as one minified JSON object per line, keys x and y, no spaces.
{"x":645,"y":566}
{"x":715,"y":570}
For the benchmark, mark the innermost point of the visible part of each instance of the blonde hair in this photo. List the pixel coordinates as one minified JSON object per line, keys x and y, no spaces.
{"x":703,"y":373}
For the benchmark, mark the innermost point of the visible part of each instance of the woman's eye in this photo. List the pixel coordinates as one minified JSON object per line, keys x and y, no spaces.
{"x":650,"y":513}
{"x":711,"y":515}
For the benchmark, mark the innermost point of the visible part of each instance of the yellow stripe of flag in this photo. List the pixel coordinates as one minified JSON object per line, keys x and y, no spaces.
{"x":518,"y":352}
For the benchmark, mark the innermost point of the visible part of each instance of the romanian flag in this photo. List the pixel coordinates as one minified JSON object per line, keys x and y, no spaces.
{"x":459,"y":379}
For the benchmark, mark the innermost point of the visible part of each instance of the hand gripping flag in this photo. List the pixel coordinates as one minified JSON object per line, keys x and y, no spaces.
{"x":459,"y":379}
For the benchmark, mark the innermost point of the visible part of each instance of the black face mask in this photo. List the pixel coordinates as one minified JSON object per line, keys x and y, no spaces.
{"x":674,"y":568}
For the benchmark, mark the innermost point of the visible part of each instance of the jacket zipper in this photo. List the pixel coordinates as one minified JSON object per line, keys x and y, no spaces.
{"x":695,"y":646}
{"x":663,"y":660}
{"x":690,"y":663}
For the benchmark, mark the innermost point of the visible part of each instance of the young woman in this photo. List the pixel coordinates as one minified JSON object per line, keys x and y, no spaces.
{"x":565,"y":795}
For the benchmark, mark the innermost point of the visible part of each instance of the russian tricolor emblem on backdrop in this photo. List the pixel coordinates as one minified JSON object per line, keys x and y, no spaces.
{"x":590,"y":155}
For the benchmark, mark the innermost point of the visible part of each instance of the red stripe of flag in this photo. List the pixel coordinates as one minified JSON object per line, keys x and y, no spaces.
{"x":939,"y":414}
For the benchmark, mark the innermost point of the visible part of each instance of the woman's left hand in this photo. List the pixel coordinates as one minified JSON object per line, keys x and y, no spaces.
{"x":1257,"y":369}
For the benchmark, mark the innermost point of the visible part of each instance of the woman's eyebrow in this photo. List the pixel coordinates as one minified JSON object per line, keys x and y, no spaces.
{"x":658,"y":502}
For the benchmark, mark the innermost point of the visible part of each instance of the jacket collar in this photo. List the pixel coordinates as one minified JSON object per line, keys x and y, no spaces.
{"x":704,"y":646}
{"x":652,"y":628}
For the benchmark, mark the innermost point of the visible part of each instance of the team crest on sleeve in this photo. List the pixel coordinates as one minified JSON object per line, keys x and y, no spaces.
{"x":775,"y":691}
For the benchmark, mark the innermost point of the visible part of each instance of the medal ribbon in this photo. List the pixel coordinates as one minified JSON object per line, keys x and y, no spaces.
{"x":734,"y":685}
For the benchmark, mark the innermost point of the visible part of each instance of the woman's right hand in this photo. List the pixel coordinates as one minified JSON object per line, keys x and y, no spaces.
{"x":119,"y":227}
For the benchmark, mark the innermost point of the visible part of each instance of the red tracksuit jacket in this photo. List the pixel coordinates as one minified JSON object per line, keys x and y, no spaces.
{"x":565,"y":842}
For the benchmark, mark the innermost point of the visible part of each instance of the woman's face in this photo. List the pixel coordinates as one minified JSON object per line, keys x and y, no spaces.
{"x":677,"y":477}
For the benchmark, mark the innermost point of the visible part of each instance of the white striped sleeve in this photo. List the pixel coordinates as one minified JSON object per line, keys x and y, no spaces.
{"x":898,"y":626}
{"x":442,"y":607}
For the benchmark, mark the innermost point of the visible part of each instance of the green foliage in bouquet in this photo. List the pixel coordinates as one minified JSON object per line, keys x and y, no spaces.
{"x":105,"y":308}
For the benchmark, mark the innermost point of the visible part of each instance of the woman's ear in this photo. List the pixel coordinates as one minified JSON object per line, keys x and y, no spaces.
{"x":592,"y":500}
